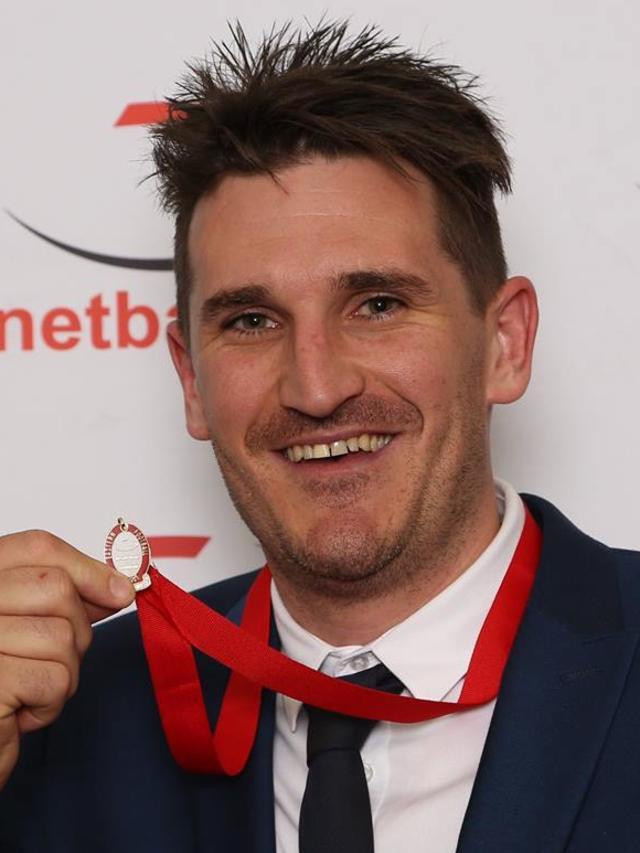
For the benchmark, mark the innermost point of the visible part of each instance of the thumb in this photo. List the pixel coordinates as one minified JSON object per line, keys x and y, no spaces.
{"x":119,"y":594}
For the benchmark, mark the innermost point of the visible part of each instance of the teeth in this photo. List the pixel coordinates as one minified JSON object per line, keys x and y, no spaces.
{"x":365,"y":442}
{"x":339,"y":448}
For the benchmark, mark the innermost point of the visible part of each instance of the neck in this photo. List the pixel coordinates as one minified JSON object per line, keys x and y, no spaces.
{"x":340,"y":621}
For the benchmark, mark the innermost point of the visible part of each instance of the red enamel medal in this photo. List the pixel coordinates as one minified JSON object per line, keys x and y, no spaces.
{"x":127,"y":551}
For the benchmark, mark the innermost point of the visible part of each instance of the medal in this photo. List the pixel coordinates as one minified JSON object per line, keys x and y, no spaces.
{"x":127,"y":551}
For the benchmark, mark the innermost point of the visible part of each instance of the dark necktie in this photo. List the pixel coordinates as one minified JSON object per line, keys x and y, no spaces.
{"x":335,"y":816}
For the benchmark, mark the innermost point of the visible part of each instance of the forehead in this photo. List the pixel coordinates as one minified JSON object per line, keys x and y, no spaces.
{"x":318,"y":217}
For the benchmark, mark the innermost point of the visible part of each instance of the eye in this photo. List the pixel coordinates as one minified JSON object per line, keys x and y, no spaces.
{"x":378,"y":306}
{"x":252,"y":322}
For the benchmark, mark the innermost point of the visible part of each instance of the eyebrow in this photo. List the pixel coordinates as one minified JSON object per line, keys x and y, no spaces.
{"x":390,"y":280}
{"x":355,"y":281}
{"x":239,"y":297}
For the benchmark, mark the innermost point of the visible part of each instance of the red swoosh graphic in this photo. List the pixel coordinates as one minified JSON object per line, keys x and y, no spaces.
{"x":148,"y":112}
{"x":177,"y":546}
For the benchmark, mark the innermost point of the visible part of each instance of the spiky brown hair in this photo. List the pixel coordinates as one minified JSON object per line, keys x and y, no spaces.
{"x":322,"y":91}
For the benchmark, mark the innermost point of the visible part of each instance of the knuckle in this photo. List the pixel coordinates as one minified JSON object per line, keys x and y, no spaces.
{"x":39,"y":545}
{"x":74,"y":681}
{"x":56,"y":583}
{"x":59,"y":634}
{"x":37,"y":684}
{"x":85,"y":638}
{"x":63,"y":633}
{"x":37,"y":626}
{"x":57,"y":682}
{"x":31,"y":719}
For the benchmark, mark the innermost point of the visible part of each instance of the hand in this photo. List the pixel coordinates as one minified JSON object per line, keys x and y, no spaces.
{"x":50,"y":594}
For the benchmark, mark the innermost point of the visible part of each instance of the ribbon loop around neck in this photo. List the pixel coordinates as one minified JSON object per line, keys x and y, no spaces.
{"x":174,"y":622}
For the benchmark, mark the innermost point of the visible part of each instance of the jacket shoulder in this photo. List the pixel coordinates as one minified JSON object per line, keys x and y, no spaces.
{"x":584,"y":572}
{"x":629,"y":573}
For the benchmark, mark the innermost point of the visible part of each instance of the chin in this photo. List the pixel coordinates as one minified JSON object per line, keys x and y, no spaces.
{"x":340,"y":559}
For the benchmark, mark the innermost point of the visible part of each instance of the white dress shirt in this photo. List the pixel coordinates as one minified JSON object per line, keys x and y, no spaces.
{"x":420,"y":775}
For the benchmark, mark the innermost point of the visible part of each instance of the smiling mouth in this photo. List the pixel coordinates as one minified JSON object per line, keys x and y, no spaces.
{"x":364,"y":443}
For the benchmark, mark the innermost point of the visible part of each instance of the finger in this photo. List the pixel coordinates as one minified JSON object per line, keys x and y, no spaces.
{"x":47,"y":638}
{"x":40,"y":687}
{"x":30,"y":591}
{"x":96,"y":583}
{"x":96,"y":614}
{"x":9,"y":746}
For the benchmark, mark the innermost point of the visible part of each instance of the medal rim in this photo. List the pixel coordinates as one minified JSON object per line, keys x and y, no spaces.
{"x":145,"y":564}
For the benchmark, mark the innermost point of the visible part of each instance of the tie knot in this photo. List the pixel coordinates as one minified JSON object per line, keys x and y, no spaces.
{"x":331,"y":731}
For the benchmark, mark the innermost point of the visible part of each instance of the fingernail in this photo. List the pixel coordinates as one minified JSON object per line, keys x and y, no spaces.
{"x":121,"y":588}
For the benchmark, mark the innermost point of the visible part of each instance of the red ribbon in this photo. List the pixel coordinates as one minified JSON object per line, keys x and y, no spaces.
{"x":174,"y":622}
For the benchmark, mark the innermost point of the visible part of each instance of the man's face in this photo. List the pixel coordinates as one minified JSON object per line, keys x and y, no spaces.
{"x":326,"y":317}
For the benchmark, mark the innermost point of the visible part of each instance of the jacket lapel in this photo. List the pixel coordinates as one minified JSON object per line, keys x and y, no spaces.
{"x":257,"y":797}
{"x":254,"y":794}
{"x":559,"y":693}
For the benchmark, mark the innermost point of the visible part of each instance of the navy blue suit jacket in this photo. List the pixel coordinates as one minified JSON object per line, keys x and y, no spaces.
{"x":560,"y":770}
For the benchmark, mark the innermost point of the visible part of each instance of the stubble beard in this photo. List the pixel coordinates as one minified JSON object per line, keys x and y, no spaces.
{"x":357,"y":562}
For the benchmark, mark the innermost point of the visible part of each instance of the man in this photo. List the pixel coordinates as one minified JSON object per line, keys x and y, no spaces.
{"x":346,"y":324}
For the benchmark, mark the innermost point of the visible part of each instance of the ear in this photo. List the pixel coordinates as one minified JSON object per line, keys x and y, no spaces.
{"x":181,"y":357}
{"x":512,"y":320}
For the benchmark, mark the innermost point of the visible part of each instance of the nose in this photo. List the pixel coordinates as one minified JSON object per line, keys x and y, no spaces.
{"x":319,"y":374}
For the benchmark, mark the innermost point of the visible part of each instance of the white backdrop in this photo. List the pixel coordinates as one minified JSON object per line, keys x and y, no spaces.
{"x":96,"y":430}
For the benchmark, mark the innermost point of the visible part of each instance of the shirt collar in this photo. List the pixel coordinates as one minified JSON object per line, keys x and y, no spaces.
{"x":429,"y":651}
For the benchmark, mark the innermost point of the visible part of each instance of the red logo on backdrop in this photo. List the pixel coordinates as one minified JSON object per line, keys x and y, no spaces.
{"x":177,"y":546}
{"x":149,"y":112}
{"x":63,"y":328}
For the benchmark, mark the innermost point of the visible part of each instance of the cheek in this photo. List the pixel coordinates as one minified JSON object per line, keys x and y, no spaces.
{"x":424,"y":370}
{"x":233,"y":391}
